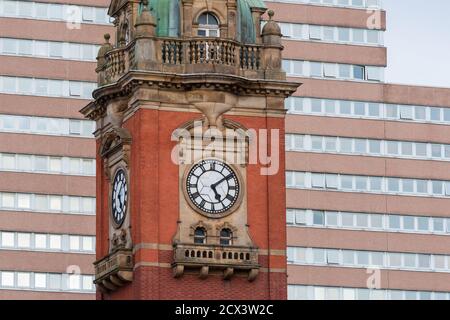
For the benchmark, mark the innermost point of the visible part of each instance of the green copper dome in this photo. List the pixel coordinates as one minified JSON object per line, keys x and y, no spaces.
{"x":167,"y":15}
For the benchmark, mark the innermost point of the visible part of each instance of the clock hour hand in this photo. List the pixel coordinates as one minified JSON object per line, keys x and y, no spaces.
{"x":216,"y":194}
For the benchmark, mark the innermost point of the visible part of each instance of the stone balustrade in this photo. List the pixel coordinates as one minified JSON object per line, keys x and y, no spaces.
{"x":192,"y":55}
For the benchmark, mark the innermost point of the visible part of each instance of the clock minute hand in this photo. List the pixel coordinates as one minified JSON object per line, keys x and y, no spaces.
{"x":219,"y":182}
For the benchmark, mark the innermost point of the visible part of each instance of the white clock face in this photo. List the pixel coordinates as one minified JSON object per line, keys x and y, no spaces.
{"x":119,"y":197}
{"x":212,"y":186}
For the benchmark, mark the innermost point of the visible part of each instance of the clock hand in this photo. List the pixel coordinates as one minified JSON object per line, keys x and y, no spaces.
{"x":216,"y":194}
{"x":219,"y":182}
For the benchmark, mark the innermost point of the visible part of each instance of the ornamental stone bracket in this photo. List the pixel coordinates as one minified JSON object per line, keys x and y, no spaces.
{"x":229,"y":260}
{"x":114,"y":271}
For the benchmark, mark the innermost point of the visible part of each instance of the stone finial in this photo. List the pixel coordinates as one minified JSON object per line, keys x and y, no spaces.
{"x":104,"y":49}
{"x":271,"y":28}
{"x":145,"y":22}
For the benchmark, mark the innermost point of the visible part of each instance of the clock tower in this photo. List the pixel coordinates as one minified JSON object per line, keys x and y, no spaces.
{"x":190,"y":152}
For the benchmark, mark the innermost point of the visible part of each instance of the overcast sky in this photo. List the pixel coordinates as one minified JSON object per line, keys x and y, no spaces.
{"x":418,"y":42}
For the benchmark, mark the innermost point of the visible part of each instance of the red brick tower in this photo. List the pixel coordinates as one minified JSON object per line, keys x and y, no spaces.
{"x":190,"y":99}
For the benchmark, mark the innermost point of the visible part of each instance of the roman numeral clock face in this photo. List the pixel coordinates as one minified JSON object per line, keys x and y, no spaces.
{"x":119,"y":197}
{"x":212,"y":187}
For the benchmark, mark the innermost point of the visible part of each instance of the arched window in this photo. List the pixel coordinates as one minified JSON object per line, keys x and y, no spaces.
{"x":208,"y":25}
{"x":127,"y":35}
{"x":226,"y":237}
{"x":200,"y":235}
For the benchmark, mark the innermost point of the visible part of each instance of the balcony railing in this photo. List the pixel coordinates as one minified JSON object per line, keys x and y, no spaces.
{"x":218,"y":255}
{"x":227,"y":259}
{"x":114,"y":270}
{"x":193,"y":55}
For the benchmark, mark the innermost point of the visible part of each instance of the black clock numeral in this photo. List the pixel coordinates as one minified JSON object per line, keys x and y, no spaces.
{"x":195,"y":195}
{"x":229,"y":177}
{"x":229,"y":197}
{"x":192,"y":185}
{"x":232,"y":187}
{"x":212,"y":207}
{"x":202,"y":204}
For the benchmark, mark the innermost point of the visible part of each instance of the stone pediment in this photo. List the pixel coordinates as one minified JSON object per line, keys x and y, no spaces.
{"x":116,"y":5}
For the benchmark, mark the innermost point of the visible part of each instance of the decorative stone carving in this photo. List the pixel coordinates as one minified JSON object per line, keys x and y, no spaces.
{"x":240,"y":253}
{"x":114,"y":270}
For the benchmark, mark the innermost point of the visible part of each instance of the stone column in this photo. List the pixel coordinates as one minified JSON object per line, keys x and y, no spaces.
{"x":187,"y":18}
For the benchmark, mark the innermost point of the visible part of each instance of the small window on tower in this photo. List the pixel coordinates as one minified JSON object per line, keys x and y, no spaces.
{"x":226,"y":237}
{"x":208,"y":25}
{"x":200,"y":235}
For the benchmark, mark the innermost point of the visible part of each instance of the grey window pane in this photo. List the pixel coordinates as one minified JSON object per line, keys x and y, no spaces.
{"x":420,"y":113}
{"x":344,"y":71}
{"x":361,"y":183}
{"x":346,"y":145}
{"x":423,"y":223}
{"x":330,"y":106}
{"x":424,"y":261}
{"x":374,"y":109}
{"x":393,"y":185}
{"x":347,"y":219}
{"x":438,"y":225}
{"x":435,"y":114}
{"x":360,"y":146}
{"x":437,"y":187}
{"x":344,"y":34}
{"x":360,"y":108}
{"x":375,"y":146}
{"x":316,"y":69}
{"x":317,"y":143}
{"x":407,"y":148}
{"x":436,"y":150}
{"x":347,"y":182}
{"x":372,"y":36}
{"x":318,"y":218}
{"x":345,"y":107}
{"x":362,"y":257}
{"x":330,"y":144}
{"x":392,"y":111}
{"x":375,"y":183}
{"x":26,"y":47}
{"x":331,"y":218}
{"x":408,"y":185}
{"x":421,"y":149}
{"x":422,"y":186}
{"x":358,"y":35}
{"x":447,"y":151}
{"x":376,"y":221}
{"x":348,"y":257}
{"x":394,"y":222}
{"x":410,"y":260}
{"x":377,"y":258}
{"x":54,"y":281}
{"x":358,"y":72}
{"x":362,"y":220}
{"x":316,"y":105}
{"x":409,"y":223}
{"x":446,"y":114}
{"x":392,"y":147}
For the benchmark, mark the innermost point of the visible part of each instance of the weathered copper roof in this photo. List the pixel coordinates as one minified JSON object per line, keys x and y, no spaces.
{"x":256,"y":3}
{"x":167,"y":14}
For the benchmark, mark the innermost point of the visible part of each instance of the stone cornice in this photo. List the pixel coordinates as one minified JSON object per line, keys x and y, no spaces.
{"x":184,"y":82}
